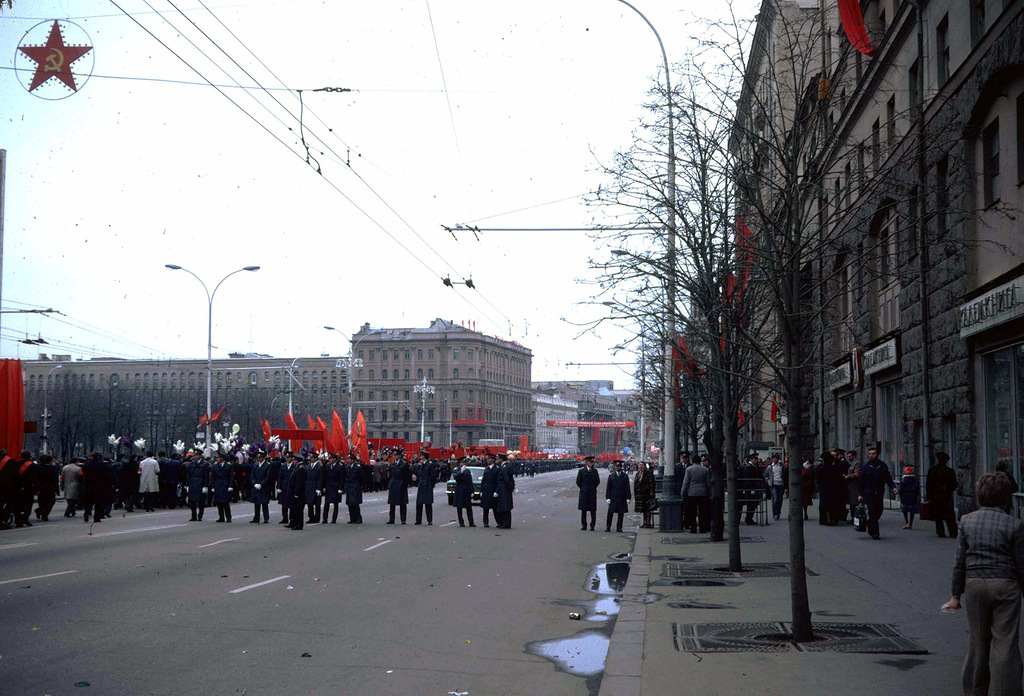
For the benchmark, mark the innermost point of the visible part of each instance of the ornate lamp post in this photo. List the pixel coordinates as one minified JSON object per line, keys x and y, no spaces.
{"x":424,"y":390}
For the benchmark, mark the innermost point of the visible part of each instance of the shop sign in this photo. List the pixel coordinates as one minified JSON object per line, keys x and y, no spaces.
{"x":993,"y":308}
{"x":840,"y":377}
{"x":880,"y":357}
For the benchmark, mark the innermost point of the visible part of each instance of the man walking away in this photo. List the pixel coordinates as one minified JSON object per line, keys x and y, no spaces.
{"x":48,"y":482}
{"x":149,"y":481}
{"x":617,"y":497}
{"x":297,"y":494}
{"x":71,"y":480}
{"x":940,"y":488}
{"x":197,"y":482}
{"x":588,"y":480}
{"x":353,"y":486}
{"x":697,"y":487}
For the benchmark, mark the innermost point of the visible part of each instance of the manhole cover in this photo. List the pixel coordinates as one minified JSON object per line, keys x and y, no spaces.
{"x":774,"y":637}
{"x":750,"y":570}
{"x":705,"y":540}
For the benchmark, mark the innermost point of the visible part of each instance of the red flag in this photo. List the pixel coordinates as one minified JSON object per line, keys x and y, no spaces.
{"x":293,"y":445}
{"x":265,"y":425}
{"x":618,"y":433}
{"x":595,"y":439}
{"x":216,"y":416}
{"x":338,"y":434}
{"x":328,"y":442}
{"x":775,"y":409}
{"x":524,"y":443}
{"x":647,"y":431}
{"x":364,"y":449}
{"x":853,"y":25}
{"x":202,"y":419}
{"x":740,"y":417}
{"x":312,"y":423}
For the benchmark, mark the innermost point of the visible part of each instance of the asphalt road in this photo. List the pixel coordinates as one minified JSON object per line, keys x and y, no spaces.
{"x":150,"y":603}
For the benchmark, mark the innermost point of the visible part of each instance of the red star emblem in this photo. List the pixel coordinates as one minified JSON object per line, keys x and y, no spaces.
{"x":54,"y":59}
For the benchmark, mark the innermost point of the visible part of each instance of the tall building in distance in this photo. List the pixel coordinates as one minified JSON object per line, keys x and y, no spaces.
{"x":481,"y":390}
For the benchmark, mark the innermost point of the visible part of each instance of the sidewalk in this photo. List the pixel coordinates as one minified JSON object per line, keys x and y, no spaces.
{"x":901,"y":580}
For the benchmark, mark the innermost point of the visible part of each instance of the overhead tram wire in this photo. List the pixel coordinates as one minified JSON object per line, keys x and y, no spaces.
{"x":444,"y":81}
{"x":301,"y":158}
{"x":520,"y":210}
{"x":359,"y":176}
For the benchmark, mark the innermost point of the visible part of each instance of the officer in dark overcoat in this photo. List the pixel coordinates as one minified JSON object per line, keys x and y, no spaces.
{"x":98,"y":480}
{"x":489,"y":488}
{"x":334,"y":476}
{"x":352,"y":484}
{"x":48,"y":483}
{"x":284,"y":476}
{"x":463,"y":494}
{"x":222,"y":479}
{"x":425,"y":478}
{"x":587,"y":480}
{"x":197,"y":481}
{"x":297,"y":493}
{"x":314,"y":489}
{"x":399,"y":478}
{"x":259,"y":491}
{"x":617,"y":496}
{"x":506,"y":486}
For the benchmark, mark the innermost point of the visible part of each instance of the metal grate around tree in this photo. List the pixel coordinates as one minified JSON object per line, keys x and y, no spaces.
{"x":775,"y":637}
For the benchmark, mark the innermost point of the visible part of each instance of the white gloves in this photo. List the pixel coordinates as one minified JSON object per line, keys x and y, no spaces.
{"x":257,"y":486}
{"x":339,"y":492}
{"x":231,"y":490}
{"x":318,"y":494}
{"x":495,"y":495}
{"x":608,"y":500}
{"x":205,"y":490}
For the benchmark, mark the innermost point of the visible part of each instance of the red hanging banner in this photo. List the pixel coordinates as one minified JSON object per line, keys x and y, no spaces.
{"x":853,"y":25}
{"x":12,"y":407}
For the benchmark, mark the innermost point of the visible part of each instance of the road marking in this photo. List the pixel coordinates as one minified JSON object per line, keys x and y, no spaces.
{"x":218,"y":542}
{"x":133,"y":531}
{"x":19,"y":545}
{"x":259,"y":584}
{"x":448,"y":525}
{"x":38,"y":577}
{"x":377,"y":546}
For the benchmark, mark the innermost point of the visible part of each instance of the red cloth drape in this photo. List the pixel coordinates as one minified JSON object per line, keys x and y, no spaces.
{"x":293,"y":445}
{"x":853,"y":25}
{"x":12,"y":407}
{"x":338,"y":434}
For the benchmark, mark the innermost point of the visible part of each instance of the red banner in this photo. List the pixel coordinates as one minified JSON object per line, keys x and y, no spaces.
{"x":853,"y":24}
{"x":590,"y":424}
{"x":12,"y":407}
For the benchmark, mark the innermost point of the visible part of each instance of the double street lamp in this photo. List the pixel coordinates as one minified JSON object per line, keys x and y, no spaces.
{"x":209,"y":336}
{"x":348,"y":363}
{"x":46,"y":411}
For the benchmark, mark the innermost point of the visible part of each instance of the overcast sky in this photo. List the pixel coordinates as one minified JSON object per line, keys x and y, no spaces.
{"x":108,"y":185}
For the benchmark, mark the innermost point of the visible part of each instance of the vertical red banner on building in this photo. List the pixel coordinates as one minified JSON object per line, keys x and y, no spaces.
{"x":12,"y":407}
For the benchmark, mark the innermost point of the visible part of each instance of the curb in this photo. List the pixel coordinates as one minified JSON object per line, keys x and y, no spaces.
{"x":626,"y":647}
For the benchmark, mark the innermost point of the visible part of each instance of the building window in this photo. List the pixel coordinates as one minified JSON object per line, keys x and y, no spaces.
{"x":419,"y":353}
{"x":455,"y":395}
{"x":419,"y":374}
{"x":405,"y":416}
{"x":360,"y":355}
{"x":430,"y":354}
{"x":942,"y":49}
{"x":455,"y":413}
{"x":407,"y":374}
{"x":371,"y":374}
{"x":405,"y":395}
{"x":394,"y":374}
{"x":372,"y":414}
{"x":372,"y":355}
{"x":470,"y":395}
{"x":469,"y":353}
{"x":430,"y":414}
{"x":455,"y":353}
{"x":394,"y":414}
{"x":860,"y":162}
{"x":114,"y":381}
{"x":383,"y":415}
{"x":455,"y":373}
{"x":408,"y":354}
{"x":430,"y":373}
{"x":395,"y":356}
{"x":384,"y":355}
{"x":887,"y":286}
{"x":977,"y":20}
{"x":990,"y":153}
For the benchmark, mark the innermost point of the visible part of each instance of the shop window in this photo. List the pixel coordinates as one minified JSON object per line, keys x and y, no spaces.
{"x":888,"y":426}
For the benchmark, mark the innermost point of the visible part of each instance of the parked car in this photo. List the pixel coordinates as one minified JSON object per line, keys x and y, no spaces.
{"x":478,"y":475}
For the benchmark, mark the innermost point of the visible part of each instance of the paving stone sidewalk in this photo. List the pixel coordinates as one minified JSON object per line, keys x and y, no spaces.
{"x":898,"y":582}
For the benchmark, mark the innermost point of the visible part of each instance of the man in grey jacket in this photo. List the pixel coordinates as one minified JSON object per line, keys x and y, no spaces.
{"x":697,"y":490}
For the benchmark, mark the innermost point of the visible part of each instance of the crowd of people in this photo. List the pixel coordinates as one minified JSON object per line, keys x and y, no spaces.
{"x":309,"y":487}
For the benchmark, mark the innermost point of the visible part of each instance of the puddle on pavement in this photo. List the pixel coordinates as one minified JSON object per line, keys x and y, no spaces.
{"x":698,"y":605}
{"x":620,"y":556}
{"x":608,"y":579}
{"x":582,"y":654}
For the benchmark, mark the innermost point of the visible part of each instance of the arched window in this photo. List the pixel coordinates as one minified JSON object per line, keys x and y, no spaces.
{"x":407,"y":375}
{"x":277,"y":378}
{"x":471,"y":373}
{"x":253,"y":379}
{"x":191,"y":379}
{"x":114,"y":381}
{"x":145,"y":380}
{"x":92,"y":381}
{"x":455,"y":373}
{"x":227,"y":379}
{"x":371,"y":374}
{"x":419,"y":374}
{"x":394,"y":374}
{"x":32,"y":382}
{"x":430,"y":373}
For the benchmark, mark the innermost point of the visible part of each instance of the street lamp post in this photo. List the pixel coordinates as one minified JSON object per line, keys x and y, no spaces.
{"x":209,"y":336}
{"x":46,"y":411}
{"x":670,"y":504}
{"x":424,"y":390}
{"x":349,"y":363}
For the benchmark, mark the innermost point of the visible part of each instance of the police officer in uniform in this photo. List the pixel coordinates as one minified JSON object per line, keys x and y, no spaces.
{"x":425,"y":479}
{"x":399,"y":476}
{"x":506,"y":485}
{"x":463,"y":497}
{"x":617,"y":496}
{"x":314,"y":489}
{"x":284,"y":476}
{"x":489,"y":488}
{"x":197,"y":481}
{"x":334,"y":475}
{"x":297,"y":494}
{"x":587,"y":480}
{"x":260,"y":489}
{"x":352,"y":484}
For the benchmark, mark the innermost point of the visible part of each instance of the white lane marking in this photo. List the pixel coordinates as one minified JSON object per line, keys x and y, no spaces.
{"x":377,"y":546}
{"x":448,"y":525}
{"x":222,"y":541}
{"x":259,"y":584}
{"x":38,"y":577}
{"x":383,"y":512}
{"x":133,"y":531}
{"x":19,"y":545}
